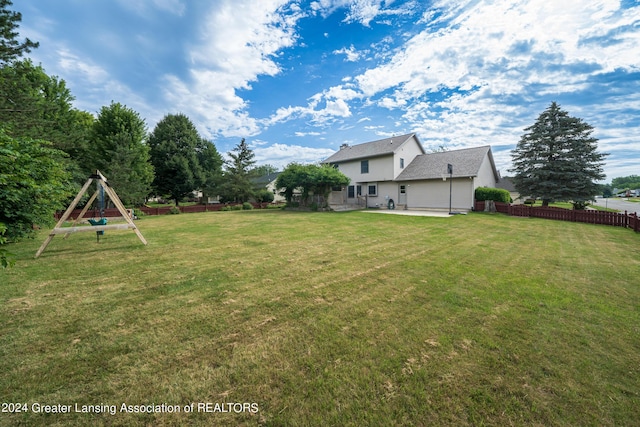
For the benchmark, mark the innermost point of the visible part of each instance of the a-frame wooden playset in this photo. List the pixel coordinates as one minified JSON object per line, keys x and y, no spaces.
{"x":99,"y":226}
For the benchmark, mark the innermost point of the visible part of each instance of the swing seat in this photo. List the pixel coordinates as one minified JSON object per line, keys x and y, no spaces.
{"x":101,"y":221}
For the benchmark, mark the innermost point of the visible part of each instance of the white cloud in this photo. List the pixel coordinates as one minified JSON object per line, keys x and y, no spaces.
{"x":239,"y":42}
{"x":351,"y":54}
{"x":72,"y":65}
{"x":361,"y":11}
{"x":477,"y":48}
{"x":280,"y":155}
{"x":337,"y":108}
{"x":322,"y":108}
{"x":304,"y":134}
{"x":143,"y":8}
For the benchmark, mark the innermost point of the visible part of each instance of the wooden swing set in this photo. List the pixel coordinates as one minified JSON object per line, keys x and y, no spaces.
{"x":99,"y":226}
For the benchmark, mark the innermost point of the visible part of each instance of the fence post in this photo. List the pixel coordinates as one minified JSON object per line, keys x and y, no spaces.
{"x":626,"y":220}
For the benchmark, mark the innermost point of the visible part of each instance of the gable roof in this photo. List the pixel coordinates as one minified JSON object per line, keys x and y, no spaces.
{"x":466,"y":163}
{"x":265,"y":179}
{"x":378,"y":148}
{"x":506,"y":183}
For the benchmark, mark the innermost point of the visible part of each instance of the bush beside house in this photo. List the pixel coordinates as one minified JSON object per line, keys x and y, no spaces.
{"x":495,"y":194}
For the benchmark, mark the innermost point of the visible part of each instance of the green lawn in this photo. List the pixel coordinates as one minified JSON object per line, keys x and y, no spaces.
{"x":327,"y":319}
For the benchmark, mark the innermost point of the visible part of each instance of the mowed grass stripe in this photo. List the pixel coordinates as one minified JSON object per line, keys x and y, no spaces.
{"x":330,"y":319}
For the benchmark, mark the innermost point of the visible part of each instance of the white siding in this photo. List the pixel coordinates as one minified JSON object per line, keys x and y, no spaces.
{"x":486,"y":177}
{"x":434,"y":194}
{"x":277,"y":197}
{"x":380,"y":169}
{"x":408,"y":151}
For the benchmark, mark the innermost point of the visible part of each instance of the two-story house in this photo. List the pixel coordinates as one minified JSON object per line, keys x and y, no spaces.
{"x":397,"y":171}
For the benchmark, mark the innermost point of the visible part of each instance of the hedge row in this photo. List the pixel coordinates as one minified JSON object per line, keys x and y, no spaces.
{"x":495,"y":194}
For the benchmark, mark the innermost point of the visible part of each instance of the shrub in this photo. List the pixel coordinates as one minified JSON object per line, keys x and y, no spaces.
{"x":580,"y":206}
{"x":174,"y":211}
{"x":264,"y":196}
{"x":495,"y":194}
{"x":6,"y":257}
{"x":246,"y":206}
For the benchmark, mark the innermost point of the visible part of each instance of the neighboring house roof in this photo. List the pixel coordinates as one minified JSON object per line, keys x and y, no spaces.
{"x":466,"y":163}
{"x":506,"y":183}
{"x":266,"y":179}
{"x":378,"y":148}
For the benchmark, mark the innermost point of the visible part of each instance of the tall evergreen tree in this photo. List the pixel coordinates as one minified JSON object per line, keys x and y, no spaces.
{"x":174,"y":154}
{"x":557,"y":159}
{"x":237,"y":177}
{"x":11,"y":48}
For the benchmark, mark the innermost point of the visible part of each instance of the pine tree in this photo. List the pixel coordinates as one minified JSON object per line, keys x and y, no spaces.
{"x":238,"y":186}
{"x":10,"y":48}
{"x":557,"y":159}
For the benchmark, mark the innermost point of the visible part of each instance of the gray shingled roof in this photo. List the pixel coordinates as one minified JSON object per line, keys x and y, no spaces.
{"x":265,"y":179}
{"x":506,"y":183}
{"x":369,"y":149}
{"x":466,"y":162}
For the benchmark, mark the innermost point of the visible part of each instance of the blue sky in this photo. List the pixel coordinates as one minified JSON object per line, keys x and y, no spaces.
{"x":299,"y":78}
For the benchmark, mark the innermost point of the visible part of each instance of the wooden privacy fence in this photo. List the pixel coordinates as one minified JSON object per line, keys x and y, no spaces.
{"x":111,"y":212}
{"x":587,"y":216}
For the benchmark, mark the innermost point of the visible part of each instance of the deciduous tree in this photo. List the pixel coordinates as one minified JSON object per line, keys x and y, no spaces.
{"x":38,"y":106}
{"x":211,"y":163}
{"x":120,"y":151}
{"x":174,"y":154}
{"x":310,"y":179}
{"x":34,"y":183}
{"x":632,"y":182}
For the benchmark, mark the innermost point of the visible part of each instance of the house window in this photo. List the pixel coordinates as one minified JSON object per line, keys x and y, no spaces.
{"x":403,"y":189}
{"x":364,"y":166}
{"x":373,"y":190}
{"x":350,"y":192}
{"x":401,"y":163}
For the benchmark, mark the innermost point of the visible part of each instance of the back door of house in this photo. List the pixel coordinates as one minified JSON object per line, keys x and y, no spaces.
{"x":402,"y":196}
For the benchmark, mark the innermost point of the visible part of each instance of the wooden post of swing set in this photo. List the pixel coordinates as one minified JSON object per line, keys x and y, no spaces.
{"x":101,"y":182}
